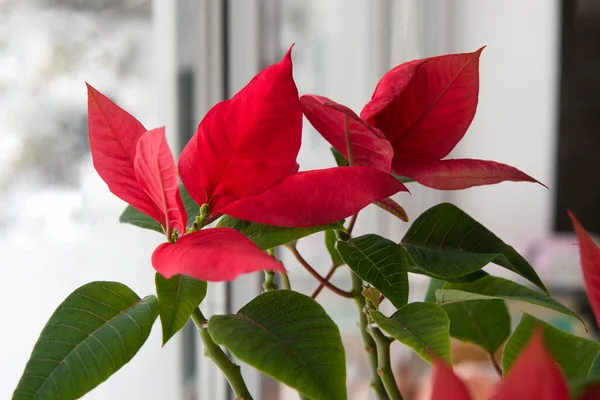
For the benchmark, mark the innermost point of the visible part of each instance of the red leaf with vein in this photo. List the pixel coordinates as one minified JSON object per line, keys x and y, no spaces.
{"x":114,"y":134}
{"x":369,"y":147}
{"x":446,"y":385}
{"x":157,"y":176}
{"x":424,"y":107}
{"x":534,"y":375}
{"x":216,"y":254}
{"x":248,"y":144}
{"x":318,"y":197}
{"x":589,"y":254}
{"x":393,"y":208}
{"x":459,"y":173}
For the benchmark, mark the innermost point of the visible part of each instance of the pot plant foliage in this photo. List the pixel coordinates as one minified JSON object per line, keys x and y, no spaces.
{"x":237,"y":193}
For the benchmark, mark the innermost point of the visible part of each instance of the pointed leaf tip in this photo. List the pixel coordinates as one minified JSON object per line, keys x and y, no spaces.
{"x":446,"y":385}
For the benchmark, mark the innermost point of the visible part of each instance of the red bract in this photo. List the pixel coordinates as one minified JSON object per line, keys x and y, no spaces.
{"x":248,"y":144}
{"x":423,"y":108}
{"x":590,"y":265}
{"x":217,"y":254}
{"x":534,"y":376}
{"x":139,"y":168}
{"x":242,"y":160}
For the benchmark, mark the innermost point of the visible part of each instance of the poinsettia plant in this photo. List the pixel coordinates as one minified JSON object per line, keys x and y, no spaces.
{"x":237,"y":193}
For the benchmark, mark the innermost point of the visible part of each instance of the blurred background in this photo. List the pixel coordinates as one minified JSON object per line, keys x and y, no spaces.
{"x":167,"y":62}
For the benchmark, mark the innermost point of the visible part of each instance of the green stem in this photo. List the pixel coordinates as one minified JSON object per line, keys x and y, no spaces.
{"x":217,"y":355}
{"x":285,"y":280}
{"x":384,"y":366}
{"x":268,"y":284}
{"x":369,"y":343}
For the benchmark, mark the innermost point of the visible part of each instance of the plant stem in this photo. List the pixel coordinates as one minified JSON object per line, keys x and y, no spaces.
{"x":285,"y":280}
{"x":384,"y":367}
{"x":268,"y":284}
{"x":368,"y":341}
{"x":351,"y":224}
{"x":496,"y":365}
{"x":218,"y":356}
{"x":315,"y":274}
{"x":327,"y":278}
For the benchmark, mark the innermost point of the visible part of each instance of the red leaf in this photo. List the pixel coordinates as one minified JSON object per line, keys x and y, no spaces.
{"x":393,"y":208}
{"x":589,"y":254}
{"x":114,"y":134}
{"x":157,"y":176}
{"x":446,"y":385}
{"x":424,"y":107}
{"x":318,"y":197}
{"x":369,"y":147}
{"x":189,"y":170}
{"x":216,"y":254}
{"x":459,"y":173}
{"x":249,"y":143}
{"x":533,"y":376}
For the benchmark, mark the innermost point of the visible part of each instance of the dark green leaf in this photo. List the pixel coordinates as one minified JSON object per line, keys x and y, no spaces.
{"x":340,"y":160}
{"x":422,"y":326}
{"x":134,"y":217}
{"x":330,"y":240}
{"x":493,"y":287}
{"x":93,"y":333}
{"x":448,"y":243}
{"x":268,"y":237}
{"x":380,"y":262}
{"x":485,"y":323}
{"x":177,"y":298}
{"x":288,"y":336}
{"x":574,"y":354}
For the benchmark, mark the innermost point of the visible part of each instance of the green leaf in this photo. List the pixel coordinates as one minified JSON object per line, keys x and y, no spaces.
{"x":268,"y":237}
{"x":485,"y":323}
{"x":434,"y":284}
{"x":289,"y":337}
{"x":574,"y":354}
{"x":594,"y":372}
{"x":493,"y":287}
{"x":177,"y":299}
{"x":422,"y":326}
{"x":330,"y":240}
{"x":403,"y":179}
{"x":134,"y":217}
{"x":94,"y":332}
{"x":380,"y":262}
{"x":340,"y":160}
{"x":448,"y":243}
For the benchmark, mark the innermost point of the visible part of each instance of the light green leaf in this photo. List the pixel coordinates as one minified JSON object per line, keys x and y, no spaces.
{"x":485,"y":323}
{"x":177,"y":299}
{"x":330,"y":241}
{"x":424,"y":327}
{"x":134,"y":217}
{"x":289,"y":337}
{"x":574,"y":354}
{"x":380,"y":262}
{"x":93,"y":333}
{"x":493,"y":287}
{"x":434,"y":284}
{"x":403,"y":179}
{"x":268,"y":237}
{"x":594,"y":372}
{"x":448,"y":243}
